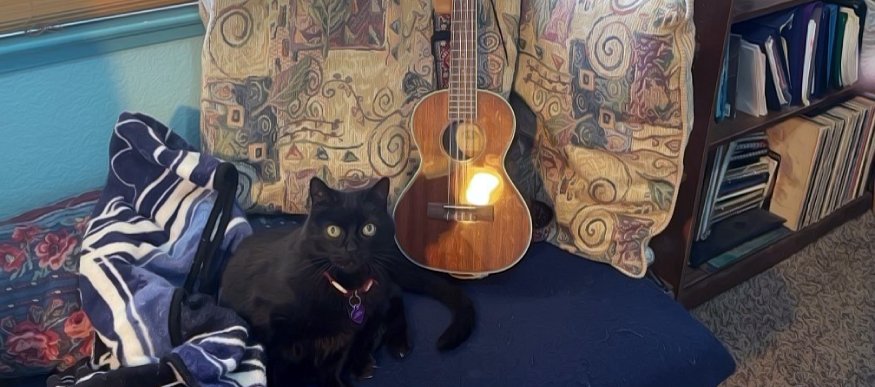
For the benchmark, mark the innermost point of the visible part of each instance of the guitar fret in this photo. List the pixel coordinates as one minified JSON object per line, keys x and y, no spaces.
{"x":463,"y":61}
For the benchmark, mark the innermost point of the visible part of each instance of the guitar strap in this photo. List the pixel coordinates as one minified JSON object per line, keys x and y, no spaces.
{"x":500,"y":32}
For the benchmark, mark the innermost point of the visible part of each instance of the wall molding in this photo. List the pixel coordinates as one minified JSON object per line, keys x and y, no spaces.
{"x":99,"y":37}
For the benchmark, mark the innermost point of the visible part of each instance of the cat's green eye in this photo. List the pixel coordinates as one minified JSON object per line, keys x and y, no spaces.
{"x":369,"y":229}
{"x":333,"y":231}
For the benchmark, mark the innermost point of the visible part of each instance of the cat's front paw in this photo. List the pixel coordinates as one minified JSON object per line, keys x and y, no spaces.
{"x":398,"y":345}
{"x":366,"y":369}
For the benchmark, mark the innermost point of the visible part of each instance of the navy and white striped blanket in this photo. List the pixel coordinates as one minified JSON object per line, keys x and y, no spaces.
{"x":137,"y":253}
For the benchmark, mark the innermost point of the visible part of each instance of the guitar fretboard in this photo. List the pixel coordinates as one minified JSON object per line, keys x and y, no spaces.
{"x":463,"y":65}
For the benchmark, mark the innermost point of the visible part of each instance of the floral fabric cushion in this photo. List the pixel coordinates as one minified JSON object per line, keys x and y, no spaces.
{"x":610,"y":84}
{"x":42,"y":325}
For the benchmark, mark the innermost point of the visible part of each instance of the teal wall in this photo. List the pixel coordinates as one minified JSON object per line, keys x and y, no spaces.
{"x":56,"y":118}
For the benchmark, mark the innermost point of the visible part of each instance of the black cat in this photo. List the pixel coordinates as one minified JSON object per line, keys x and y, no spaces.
{"x":323,"y":297}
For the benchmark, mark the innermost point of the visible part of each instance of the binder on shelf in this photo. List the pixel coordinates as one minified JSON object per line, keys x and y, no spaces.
{"x":751,"y":88}
{"x":804,"y":53}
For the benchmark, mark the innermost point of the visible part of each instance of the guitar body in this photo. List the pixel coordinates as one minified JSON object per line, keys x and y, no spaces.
{"x":438,"y":227}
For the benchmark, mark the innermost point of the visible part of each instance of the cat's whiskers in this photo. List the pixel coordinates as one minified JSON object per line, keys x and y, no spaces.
{"x":385,"y":260}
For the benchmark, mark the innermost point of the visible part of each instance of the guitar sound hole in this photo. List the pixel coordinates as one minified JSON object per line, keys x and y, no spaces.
{"x":463,"y":141}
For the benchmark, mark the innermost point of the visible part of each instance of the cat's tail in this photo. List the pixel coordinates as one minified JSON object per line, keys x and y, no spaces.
{"x":417,"y":280}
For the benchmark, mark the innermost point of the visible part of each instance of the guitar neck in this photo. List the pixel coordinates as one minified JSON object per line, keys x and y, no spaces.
{"x":463,"y":64}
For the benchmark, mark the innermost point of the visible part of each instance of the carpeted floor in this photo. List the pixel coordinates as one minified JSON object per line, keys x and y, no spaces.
{"x":810,"y":320}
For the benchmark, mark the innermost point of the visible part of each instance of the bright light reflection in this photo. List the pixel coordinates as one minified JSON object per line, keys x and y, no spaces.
{"x":480,"y":188}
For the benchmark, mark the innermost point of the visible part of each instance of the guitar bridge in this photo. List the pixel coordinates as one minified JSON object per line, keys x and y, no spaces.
{"x":460,"y":212}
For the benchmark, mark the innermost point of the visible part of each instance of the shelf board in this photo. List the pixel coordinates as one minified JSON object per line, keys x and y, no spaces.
{"x":749,"y":9}
{"x":730,"y":129}
{"x":699,"y":285}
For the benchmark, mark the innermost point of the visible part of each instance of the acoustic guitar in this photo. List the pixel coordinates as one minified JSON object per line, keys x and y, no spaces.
{"x":461,"y":214}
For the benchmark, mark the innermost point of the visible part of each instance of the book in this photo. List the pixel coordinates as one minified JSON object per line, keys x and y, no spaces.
{"x":732,"y":76}
{"x":740,"y":251}
{"x":732,"y":185}
{"x":717,"y":171}
{"x":848,"y":149}
{"x":807,"y":65}
{"x":738,"y":198}
{"x":732,"y":232}
{"x":753,"y":169}
{"x":746,"y":158}
{"x":832,"y":10}
{"x":838,"y":176}
{"x":820,"y":177}
{"x":821,"y":182}
{"x":766,"y":38}
{"x":779,"y":23}
{"x":821,"y":84}
{"x":838,"y":46}
{"x":751,"y":145}
{"x":773,"y":168}
{"x":816,"y":19}
{"x":746,"y":170}
{"x":850,"y":49}
{"x":800,"y":42}
{"x":751,"y":88}
{"x":740,"y":204}
{"x":721,"y":107}
{"x":796,"y":141}
{"x":863,"y":161}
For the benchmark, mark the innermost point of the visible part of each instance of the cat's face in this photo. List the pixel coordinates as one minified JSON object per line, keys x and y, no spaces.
{"x":351,"y":230}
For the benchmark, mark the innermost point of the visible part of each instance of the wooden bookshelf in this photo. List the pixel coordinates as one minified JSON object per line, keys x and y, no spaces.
{"x":742,"y":124}
{"x":751,"y":9}
{"x":692,"y":286}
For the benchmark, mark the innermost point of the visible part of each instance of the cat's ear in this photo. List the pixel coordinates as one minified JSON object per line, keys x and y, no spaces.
{"x":320,"y":193}
{"x":380,"y":190}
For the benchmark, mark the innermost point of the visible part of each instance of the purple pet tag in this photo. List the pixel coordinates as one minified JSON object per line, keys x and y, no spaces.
{"x":357,"y":314}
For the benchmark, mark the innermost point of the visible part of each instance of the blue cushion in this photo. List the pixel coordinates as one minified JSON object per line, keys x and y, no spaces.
{"x":556,"y":319}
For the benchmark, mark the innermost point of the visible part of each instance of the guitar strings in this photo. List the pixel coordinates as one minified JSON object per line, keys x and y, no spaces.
{"x":460,"y":74}
{"x":454,"y":103}
{"x":466,"y":73}
{"x":460,"y":103}
{"x":463,"y":38}
{"x":471,"y":86}
{"x":462,"y":78}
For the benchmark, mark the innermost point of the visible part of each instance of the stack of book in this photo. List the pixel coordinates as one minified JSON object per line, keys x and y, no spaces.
{"x":741,"y":177}
{"x":798,"y":172}
{"x":790,"y":57}
{"x":825,"y":159}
